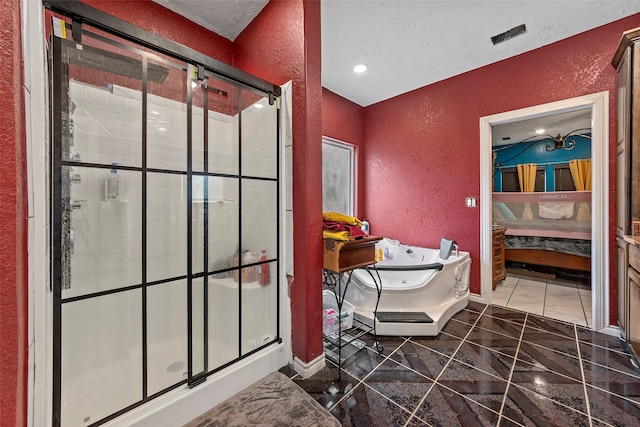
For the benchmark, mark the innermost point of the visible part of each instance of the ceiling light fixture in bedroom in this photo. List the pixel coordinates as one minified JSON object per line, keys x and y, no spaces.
{"x":560,"y":142}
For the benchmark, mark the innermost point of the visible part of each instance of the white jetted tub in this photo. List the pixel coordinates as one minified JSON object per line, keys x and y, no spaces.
{"x":420,"y":290}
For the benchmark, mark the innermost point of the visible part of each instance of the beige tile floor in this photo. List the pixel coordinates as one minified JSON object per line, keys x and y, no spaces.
{"x":562,"y":299}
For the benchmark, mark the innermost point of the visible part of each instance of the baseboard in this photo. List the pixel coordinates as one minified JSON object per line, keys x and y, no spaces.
{"x":611,"y":330}
{"x":478,"y":298}
{"x":306,"y":370}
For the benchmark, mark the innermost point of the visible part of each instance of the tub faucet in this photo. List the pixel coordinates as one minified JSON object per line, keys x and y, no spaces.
{"x":455,"y":246}
{"x":409,"y":251}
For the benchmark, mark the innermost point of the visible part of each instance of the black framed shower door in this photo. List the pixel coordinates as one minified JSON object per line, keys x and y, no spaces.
{"x":165,"y":217}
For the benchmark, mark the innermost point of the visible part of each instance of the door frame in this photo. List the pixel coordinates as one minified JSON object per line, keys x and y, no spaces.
{"x":598,"y":103}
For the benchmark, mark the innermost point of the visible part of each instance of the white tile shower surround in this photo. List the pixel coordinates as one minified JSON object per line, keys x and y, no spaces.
{"x":562,"y":299}
{"x":107,"y":234}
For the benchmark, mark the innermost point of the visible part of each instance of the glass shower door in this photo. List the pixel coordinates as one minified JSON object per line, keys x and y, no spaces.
{"x":119,"y":226}
{"x":97,"y":220}
{"x":164,"y":224}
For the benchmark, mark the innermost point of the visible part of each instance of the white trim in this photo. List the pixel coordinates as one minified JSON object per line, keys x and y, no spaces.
{"x":599,"y":105}
{"x":478,"y":298}
{"x":180,"y":406}
{"x":354,"y":171}
{"x":309,"y":369}
{"x":611,"y":330}
{"x":40,"y":301}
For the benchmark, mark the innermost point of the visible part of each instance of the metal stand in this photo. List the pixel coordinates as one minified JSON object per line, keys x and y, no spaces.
{"x":338,"y":283}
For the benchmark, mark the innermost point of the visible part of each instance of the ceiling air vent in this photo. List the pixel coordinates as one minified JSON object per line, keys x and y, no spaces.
{"x":515,"y":31}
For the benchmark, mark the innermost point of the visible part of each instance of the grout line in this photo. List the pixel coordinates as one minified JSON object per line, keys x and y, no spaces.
{"x":584,"y":382}
{"x":544,"y":301}
{"x":462,"y":341}
{"x":361,"y":382}
{"x":583,"y":310}
{"x":513,"y":291}
{"x":513,"y":367}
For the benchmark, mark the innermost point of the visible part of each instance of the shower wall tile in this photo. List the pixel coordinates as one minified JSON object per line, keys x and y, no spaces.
{"x":259,"y":142}
{"x":106,"y":374}
{"x":104,"y":254}
{"x":108,"y":130}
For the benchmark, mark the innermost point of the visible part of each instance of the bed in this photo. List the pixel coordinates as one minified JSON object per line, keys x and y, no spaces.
{"x":551,"y":229}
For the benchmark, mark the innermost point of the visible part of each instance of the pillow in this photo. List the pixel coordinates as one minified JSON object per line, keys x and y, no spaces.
{"x":505,"y":211}
{"x":556,"y":210}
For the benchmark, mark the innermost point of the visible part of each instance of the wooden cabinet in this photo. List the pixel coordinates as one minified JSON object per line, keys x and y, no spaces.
{"x":622,"y":260}
{"x":622,"y":61}
{"x":633,"y":329}
{"x":339,"y":256}
{"x":499,"y":269}
{"x":633,"y":295}
{"x":627,"y":63}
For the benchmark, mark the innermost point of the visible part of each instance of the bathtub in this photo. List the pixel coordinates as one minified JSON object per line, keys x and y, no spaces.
{"x":415,"y":281}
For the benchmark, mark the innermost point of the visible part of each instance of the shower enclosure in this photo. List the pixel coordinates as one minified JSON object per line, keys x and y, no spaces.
{"x":164,"y":215}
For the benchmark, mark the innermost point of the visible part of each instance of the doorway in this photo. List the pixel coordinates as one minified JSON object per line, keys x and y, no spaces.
{"x":597,"y":104}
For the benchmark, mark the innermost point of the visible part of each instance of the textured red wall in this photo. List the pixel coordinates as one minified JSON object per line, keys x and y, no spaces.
{"x":342,"y":120}
{"x":423,"y":153}
{"x":159,"y":20}
{"x":13,"y":223}
{"x":282,"y":44}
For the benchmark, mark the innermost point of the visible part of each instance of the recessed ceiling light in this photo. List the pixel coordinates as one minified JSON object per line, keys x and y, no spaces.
{"x":258,"y":106}
{"x":360,"y":68}
{"x":540,"y":131}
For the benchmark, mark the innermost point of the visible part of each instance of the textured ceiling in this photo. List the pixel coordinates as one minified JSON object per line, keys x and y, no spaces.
{"x":225,"y":17}
{"x":410,"y":44}
{"x":553,"y":124}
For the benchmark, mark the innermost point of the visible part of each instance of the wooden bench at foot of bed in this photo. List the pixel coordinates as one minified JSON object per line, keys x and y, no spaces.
{"x":549,"y":258}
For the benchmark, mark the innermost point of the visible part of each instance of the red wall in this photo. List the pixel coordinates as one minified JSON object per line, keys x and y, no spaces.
{"x":13,"y":223}
{"x":423,"y":154}
{"x":159,"y":20}
{"x":282,"y":44}
{"x":343,"y":120}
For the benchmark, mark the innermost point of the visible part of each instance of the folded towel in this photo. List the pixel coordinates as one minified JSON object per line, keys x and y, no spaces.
{"x":344,"y":236}
{"x":352,"y":233}
{"x":334,"y":225}
{"x":335,"y":216}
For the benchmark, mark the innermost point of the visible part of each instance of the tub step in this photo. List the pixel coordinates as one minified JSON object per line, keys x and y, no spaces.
{"x":403,"y":317}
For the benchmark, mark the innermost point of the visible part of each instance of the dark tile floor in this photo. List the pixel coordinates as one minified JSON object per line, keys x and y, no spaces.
{"x":490,"y":366}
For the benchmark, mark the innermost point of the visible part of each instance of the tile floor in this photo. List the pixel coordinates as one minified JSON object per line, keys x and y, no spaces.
{"x":490,"y":366}
{"x":562,"y":299}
